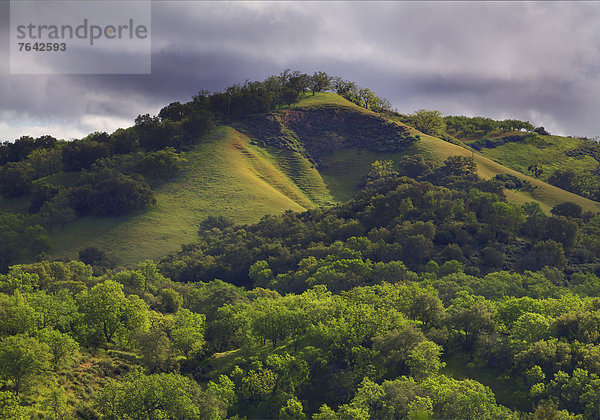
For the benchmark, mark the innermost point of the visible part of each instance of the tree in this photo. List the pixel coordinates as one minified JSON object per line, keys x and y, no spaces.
{"x":56,"y":403}
{"x":424,"y":359}
{"x":471,"y":316}
{"x":546,"y":253}
{"x":171,"y":300}
{"x":536,"y":170}
{"x":81,"y":154}
{"x":487,"y":125}
{"x":188,"y":332}
{"x":16,"y":314}
{"x":427,"y":308}
{"x":158,"y":396}
{"x":562,"y":230}
{"x":460,"y":165}
{"x":531,"y":327}
{"x":21,"y":239}
{"x":61,"y":346}
{"x":175,"y":111}
{"x":567,"y":209}
{"x":109,"y":313}
{"x":319,"y":82}
{"x":292,"y":410}
{"x":42,"y":193}
{"x":381,"y":171}
{"x":394,"y":346}
{"x":22,"y":360}
{"x":292,"y":372}
{"x":414,"y":166}
{"x":161,"y":164}
{"x":289,"y":96}
{"x":115,"y":194}
{"x":15,"y":179}
{"x":156,"y":351}
{"x":44,"y":162}
{"x":94,"y":257}
{"x":9,"y":406}
{"x":420,"y":408}
{"x":150,"y":275}
{"x":260,"y":273}
{"x":428,"y":122}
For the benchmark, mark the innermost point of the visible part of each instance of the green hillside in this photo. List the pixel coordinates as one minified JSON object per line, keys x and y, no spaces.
{"x":263,"y":166}
{"x":224,"y":175}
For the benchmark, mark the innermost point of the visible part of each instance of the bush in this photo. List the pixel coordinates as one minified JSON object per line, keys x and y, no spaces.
{"x":567,"y":209}
{"x":15,"y":179}
{"x":115,"y":194}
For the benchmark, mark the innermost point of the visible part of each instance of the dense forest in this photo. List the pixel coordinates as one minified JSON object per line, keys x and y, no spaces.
{"x":427,"y":295}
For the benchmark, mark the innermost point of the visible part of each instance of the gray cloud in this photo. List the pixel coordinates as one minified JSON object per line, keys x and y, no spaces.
{"x":533,"y":61}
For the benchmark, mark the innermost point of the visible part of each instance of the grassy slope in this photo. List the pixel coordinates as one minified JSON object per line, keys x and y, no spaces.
{"x":224,"y":176}
{"x":228,"y":175}
{"x":346,"y":169}
{"x":548,"y":151}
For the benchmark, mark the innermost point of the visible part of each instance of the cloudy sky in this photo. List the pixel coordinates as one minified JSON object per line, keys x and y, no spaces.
{"x":532,"y":61}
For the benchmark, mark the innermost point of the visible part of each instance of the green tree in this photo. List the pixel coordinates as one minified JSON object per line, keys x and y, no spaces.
{"x":22,"y":360}
{"x":381,"y":170}
{"x":188,"y":332}
{"x":291,"y":371}
{"x":61,"y":346}
{"x":151,"y":277}
{"x":171,"y":300}
{"x":260,"y":273}
{"x":427,"y":308}
{"x":16,"y":314}
{"x":420,"y":408}
{"x":414,"y":166}
{"x":428,"y":122}
{"x":424,"y":359}
{"x":567,"y":209}
{"x":531,"y":327}
{"x":319,"y":82}
{"x":56,"y":403}
{"x":460,"y":165}
{"x":45,"y":162}
{"x":158,"y":396}
{"x":108,"y":312}
{"x":546,"y":253}
{"x":472,"y":316}
{"x":15,"y":179}
{"x":292,"y":410}
{"x":156,"y":351}
{"x":10,"y":407}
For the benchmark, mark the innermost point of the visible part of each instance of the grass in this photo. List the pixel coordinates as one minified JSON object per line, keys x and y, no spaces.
{"x":548,"y":151}
{"x":324,"y":98}
{"x":229,"y":174}
{"x":225,"y":175}
{"x":547,"y":195}
{"x":346,"y":169}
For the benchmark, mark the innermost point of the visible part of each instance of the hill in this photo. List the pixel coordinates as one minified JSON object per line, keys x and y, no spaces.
{"x":314,"y":152}
{"x":412,"y":289}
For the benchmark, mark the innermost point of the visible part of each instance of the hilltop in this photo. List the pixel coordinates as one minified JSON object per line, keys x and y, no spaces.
{"x":314,"y":152}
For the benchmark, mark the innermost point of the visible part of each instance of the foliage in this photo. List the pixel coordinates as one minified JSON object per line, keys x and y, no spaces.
{"x":22,"y":360}
{"x":360,"y":310}
{"x":20,"y":238}
{"x":428,"y":122}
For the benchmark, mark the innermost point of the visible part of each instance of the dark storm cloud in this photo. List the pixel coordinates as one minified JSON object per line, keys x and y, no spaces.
{"x":533,"y":61}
